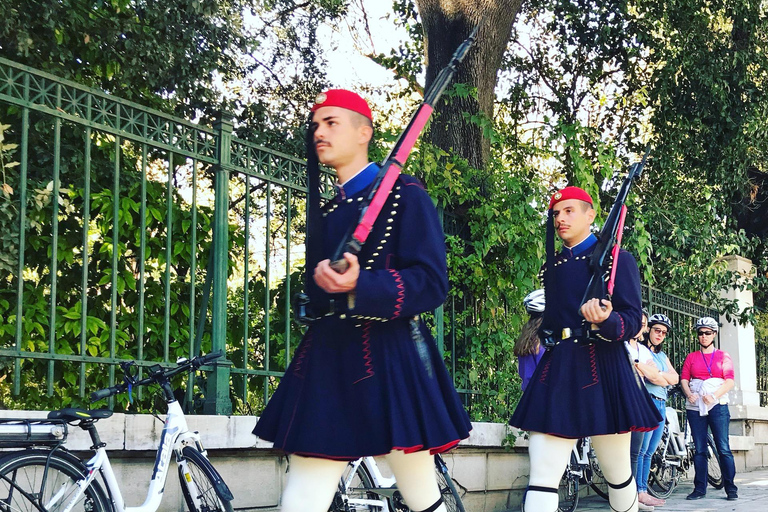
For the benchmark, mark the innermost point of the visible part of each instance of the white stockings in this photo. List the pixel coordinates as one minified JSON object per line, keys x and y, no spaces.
{"x":550,"y":454}
{"x":613,"y":455}
{"x":312,"y":482}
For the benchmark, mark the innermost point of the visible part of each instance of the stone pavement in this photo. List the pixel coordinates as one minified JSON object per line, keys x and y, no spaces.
{"x":753,"y":497}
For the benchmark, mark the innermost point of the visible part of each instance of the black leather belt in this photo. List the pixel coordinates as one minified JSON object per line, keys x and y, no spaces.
{"x":568,"y":333}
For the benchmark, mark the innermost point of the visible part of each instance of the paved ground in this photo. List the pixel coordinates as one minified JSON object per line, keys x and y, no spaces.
{"x":753,"y":497}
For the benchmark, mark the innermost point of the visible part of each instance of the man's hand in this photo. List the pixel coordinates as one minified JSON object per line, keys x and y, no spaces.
{"x":709,"y":399}
{"x":332,"y":282}
{"x":596,"y":311}
{"x":693,"y":397}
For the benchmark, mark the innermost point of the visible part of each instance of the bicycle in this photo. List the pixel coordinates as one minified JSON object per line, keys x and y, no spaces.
{"x":364,"y":488}
{"x":674,"y":456}
{"x":582,"y":469}
{"x":45,"y":477}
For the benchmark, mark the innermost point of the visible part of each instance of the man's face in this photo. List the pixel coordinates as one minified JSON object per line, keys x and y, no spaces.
{"x":572,"y":220}
{"x":339,"y":137}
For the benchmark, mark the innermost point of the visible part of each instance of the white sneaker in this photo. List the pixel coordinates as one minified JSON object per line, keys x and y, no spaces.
{"x":643,"y":506}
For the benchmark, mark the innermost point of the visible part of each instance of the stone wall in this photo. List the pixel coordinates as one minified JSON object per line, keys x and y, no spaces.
{"x":491,"y":476}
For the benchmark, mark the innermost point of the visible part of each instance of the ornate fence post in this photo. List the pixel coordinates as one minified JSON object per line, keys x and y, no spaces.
{"x":739,"y":339}
{"x":217,"y":399}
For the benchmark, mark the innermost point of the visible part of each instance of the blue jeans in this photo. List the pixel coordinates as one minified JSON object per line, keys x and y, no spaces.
{"x":648,"y":447}
{"x":717,"y":420}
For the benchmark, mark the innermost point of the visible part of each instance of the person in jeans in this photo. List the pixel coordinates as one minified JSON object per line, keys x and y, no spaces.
{"x":642,"y":360}
{"x":656,"y":382}
{"x":706,"y":379}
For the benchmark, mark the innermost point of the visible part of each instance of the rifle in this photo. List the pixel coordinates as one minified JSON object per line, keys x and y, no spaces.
{"x":390,"y":169}
{"x":603,"y":280}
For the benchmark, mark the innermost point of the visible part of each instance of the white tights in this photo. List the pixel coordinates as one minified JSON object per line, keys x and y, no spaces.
{"x":312,"y":482}
{"x":550,"y":454}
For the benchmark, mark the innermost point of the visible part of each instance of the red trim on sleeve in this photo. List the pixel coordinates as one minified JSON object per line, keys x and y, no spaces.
{"x":400,"y":293}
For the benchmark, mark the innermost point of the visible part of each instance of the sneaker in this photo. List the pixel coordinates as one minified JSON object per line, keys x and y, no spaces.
{"x":643,"y":506}
{"x":695,"y":495}
{"x":732,"y":496}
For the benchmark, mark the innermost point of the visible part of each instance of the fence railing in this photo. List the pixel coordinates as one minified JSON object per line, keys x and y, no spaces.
{"x":116,"y":214}
{"x":761,"y":352}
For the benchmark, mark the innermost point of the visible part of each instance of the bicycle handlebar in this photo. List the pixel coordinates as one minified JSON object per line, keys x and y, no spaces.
{"x":105,"y":393}
{"x":156,"y":373}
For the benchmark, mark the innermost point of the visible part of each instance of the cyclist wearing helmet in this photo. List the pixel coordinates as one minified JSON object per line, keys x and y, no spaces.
{"x":584,"y":384}
{"x":657,"y":376}
{"x":640,"y":357}
{"x":706,"y":379}
{"x":528,"y":347}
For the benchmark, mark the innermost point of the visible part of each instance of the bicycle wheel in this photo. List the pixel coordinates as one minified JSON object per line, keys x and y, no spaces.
{"x":448,"y":490}
{"x":714,"y":472}
{"x":26,"y":486}
{"x":202,"y":487}
{"x":662,"y":479}
{"x":599,"y":484}
{"x":568,"y":490}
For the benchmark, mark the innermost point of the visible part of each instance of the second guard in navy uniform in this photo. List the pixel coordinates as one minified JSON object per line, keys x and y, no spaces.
{"x":367,"y":378}
{"x":584,"y":384}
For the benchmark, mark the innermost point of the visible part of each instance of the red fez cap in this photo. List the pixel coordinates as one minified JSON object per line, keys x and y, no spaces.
{"x":343,"y":99}
{"x":570,"y":193}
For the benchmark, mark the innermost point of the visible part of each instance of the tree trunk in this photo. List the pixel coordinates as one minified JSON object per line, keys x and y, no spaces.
{"x":446,"y":24}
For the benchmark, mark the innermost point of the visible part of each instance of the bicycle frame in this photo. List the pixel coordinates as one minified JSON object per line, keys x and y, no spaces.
{"x":175,"y":436}
{"x":383,"y":486}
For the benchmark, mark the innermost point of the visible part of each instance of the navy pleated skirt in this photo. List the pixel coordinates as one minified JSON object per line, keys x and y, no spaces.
{"x":583,"y":389}
{"x":354,"y":390}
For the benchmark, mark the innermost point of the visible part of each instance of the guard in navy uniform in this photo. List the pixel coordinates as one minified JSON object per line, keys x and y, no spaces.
{"x":367,"y":378}
{"x":584,"y":384}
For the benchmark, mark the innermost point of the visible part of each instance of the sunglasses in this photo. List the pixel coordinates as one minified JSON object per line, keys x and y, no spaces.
{"x":705,"y":333}
{"x":663,"y":332}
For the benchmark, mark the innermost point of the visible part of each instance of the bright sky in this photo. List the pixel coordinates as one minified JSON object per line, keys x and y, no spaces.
{"x":345,"y":45}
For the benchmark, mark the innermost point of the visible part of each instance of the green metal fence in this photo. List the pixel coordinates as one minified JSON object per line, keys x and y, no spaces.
{"x":127,"y":207}
{"x":761,"y":350}
{"x":683,"y":314}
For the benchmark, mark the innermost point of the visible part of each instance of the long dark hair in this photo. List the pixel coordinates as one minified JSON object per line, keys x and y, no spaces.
{"x":647,"y":339}
{"x":528,"y":343}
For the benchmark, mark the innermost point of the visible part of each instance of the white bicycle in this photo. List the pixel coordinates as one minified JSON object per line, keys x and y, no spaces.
{"x":363,"y":487}
{"x":45,"y":477}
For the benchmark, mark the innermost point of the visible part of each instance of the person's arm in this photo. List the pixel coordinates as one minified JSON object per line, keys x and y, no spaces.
{"x":620,"y":318}
{"x":727,"y":372}
{"x":717,"y":395}
{"x":416,"y":277}
{"x":670,"y":375}
{"x":689,"y":395}
{"x":685,"y":379}
{"x":651,"y":373}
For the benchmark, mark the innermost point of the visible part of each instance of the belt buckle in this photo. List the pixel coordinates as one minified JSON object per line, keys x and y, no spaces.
{"x":566,"y":333}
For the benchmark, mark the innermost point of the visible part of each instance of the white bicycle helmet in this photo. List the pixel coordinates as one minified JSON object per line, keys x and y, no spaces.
{"x":708,"y":322}
{"x":534,"y":301}
{"x":660,"y":319}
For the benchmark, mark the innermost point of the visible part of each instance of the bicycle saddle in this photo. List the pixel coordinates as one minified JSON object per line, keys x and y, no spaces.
{"x":74,"y":414}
